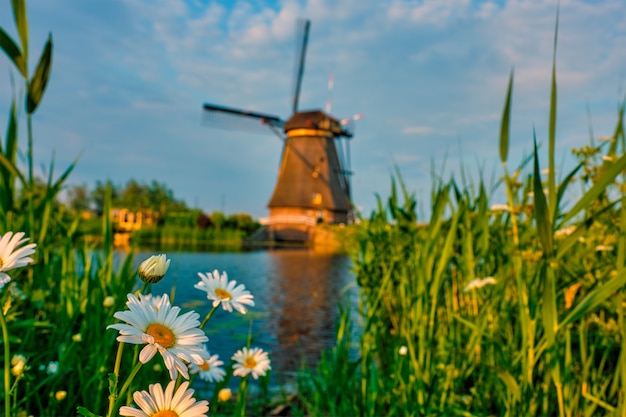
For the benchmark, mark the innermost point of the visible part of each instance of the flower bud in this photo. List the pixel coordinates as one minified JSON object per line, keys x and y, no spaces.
{"x":224,"y":395}
{"x":153,"y":269}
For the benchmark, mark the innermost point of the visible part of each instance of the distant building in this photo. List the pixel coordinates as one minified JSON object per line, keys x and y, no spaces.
{"x":125,"y":220}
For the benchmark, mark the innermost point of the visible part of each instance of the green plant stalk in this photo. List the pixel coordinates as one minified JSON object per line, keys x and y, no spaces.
{"x":120,"y":394}
{"x":240,"y":409}
{"x":116,"y":371}
{"x":7,"y":362}
{"x":522,"y":294}
{"x":208,"y":316}
{"x":31,"y":179}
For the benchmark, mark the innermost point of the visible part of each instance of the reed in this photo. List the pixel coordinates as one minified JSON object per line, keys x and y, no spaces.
{"x":510,"y":309}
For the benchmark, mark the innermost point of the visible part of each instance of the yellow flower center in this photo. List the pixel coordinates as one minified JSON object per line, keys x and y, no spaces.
{"x":249,"y":363}
{"x":162,"y":335}
{"x":205,"y":366}
{"x":223,"y":294}
{"x":1,"y":263}
{"x":165,"y":413}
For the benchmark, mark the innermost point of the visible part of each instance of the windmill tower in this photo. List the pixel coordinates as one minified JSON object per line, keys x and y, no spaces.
{"x":313,"y":182}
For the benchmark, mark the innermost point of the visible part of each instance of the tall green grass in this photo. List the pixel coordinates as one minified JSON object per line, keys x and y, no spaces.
{"x":546,"y":338}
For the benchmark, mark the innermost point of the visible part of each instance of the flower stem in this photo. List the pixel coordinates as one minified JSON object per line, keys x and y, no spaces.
{"x":7,"y":362}
{"x":144,"y":287}
{"x":240,"y":409}
{"x":208,"y":316}
{"x":130,"y":378}
{"x":116,"y":371}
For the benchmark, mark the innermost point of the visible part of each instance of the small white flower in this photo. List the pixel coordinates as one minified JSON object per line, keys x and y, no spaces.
{"x":500,"y":207}
{"x":565,"y":231}
{"x":210,"y":370}
{"x":604,"y":248}
{"x":168,"y":403}
{"x":225,"y":292}
{"x":608,"y":158}
{"x":52,"y":368}
{"x":403,"y":350}
{"x":478,"y":283}
{"x":253,"y":361}
{"x":154,"y":268}
{"x":11,"y":257}
{"x":176,"y":337}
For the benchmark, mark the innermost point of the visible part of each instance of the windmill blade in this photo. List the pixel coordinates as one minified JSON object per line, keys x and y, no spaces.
{"x":242,"y":120}
{"x":303,"y":33}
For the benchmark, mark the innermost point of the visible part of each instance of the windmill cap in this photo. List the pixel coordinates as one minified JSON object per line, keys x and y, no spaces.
{"x":315,"y":119}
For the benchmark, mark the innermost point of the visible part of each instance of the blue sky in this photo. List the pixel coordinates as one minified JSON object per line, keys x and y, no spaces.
{"x":129,"y":79}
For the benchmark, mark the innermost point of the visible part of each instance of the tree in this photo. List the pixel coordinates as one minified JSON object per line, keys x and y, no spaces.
{"x":78,"y":198}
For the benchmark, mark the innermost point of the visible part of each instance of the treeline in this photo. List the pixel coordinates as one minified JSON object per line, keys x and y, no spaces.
{"x":153,"y":197}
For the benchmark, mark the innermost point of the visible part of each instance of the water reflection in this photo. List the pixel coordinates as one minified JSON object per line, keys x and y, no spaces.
{"x":304,"y":289}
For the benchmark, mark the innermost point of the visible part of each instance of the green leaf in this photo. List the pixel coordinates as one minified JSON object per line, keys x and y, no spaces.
{"x":563,"y":187}
{"x":552,"y":126}
{"x":37,"y":84}
{"x":542,"y":215}
{"x":84,"y":412}
{"x":504,"y":125}
{"x":594,"y":299}
{"x":14,"y":53}
{"x":21,"y":22}
{"x":510,"y":382}
{"x":604,"y":181}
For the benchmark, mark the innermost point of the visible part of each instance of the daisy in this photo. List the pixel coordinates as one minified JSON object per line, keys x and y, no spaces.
{"x":156,"y":402}
{"x":210,"y":370}
{"x":253,"y":361}
{"x":11,"y":258}
{"x":154,"y":268}
{"x":176,"y":337}
{"x":221,"y":290}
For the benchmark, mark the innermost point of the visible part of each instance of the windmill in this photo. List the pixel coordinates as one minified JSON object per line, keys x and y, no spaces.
{"x":313,"y":182}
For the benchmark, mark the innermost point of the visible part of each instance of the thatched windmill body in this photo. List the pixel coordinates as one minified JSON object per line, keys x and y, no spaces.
{"x":313,"y":183}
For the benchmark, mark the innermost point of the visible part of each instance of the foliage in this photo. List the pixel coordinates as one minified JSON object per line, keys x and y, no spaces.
{"x":510,"y":309}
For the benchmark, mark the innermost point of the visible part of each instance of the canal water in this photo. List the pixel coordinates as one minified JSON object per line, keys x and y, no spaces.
{"x":296,"y":294}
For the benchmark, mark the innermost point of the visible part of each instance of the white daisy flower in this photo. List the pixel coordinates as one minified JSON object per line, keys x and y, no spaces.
{"x":156,"y":402}
{"x":176,"y":337}
{"x":253,"y":361}
{"x":154,"y":268}
{"x":228,"y":293}
{"x":154,"y":299}
{"x":10,"y":257}
{"x":478,"y":283}
{"x":210,"y":370}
